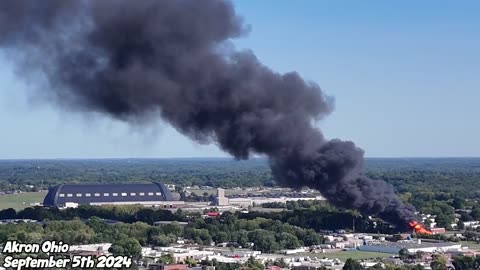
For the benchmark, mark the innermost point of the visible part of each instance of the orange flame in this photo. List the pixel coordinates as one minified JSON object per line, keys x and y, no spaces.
{"x":418,"y":227}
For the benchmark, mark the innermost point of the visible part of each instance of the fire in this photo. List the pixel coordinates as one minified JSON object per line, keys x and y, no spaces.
{"x":418,"y":227}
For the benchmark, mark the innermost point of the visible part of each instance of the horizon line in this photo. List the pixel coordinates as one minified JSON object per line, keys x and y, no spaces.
{"x":225,"y":157}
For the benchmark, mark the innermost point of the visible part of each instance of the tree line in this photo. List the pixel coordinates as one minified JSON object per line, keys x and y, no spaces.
{"x":91,"y":224}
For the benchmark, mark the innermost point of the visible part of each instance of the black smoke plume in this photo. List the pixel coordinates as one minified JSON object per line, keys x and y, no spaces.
{"x":137,"y":60}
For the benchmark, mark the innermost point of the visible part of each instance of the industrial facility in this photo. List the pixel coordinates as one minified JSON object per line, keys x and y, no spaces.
{"x":411,"y":247}
{"x":72,"y":195}
{"x":259,"y":199}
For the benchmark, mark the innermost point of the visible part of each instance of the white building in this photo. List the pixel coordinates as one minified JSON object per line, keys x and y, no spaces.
{"x":240,"y":202}
{"x":101,"y":248}
{"x":412,"y":247}
{"x":222,"y":200}
{"x":179,"y":254}
{"x":471,"y":224}
{"x":71,"y":205}
{"x":294,"y":251}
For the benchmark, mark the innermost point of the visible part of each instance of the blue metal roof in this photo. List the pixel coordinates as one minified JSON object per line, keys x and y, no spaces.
{"x":96,"y":193}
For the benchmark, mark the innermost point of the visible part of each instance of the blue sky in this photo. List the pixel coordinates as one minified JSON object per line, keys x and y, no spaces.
{"x":404,"y":75}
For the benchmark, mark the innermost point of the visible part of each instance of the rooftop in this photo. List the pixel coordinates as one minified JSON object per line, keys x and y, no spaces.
{"x":413,"y":244}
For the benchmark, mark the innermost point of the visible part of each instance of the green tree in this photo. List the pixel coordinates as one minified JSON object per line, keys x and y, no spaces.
{"x":419,"y":254}
{"x":162,"y":240}
{"x":459,"y":203}
{"x":465,"y":263}
{"x":172,"y":228}
{"x":352,"y":264}
{"x":191,"y":262}
{"x":117,"y":250}
{"x":222,"y":237}
{"x":9,"y":213}
{"x":263,"y":240}
{"x":475,"y":214}
{"x":179,"y":214}
{"x":288,"y":241}
{"x":97,"y":224}
{"x":130,"y":246}
{"x":280,"y":263}
{"x":377,"y":266}
{"x":439,"y":263}
{"x":403,"y":254}
{"x":254,"y":264}
{"x":460,"y":225}
{"x":465,"y":217}
{"x":166,"y":259}
{"x":443,"y":220}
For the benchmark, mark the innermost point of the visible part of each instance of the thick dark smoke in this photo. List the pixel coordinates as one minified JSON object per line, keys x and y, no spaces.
{"x":137,"y":60}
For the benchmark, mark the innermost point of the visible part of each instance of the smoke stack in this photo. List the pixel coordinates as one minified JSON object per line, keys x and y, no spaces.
{"x":139,"y":60}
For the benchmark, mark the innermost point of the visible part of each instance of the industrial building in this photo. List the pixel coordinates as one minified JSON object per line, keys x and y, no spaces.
{"x":164,"y":223}
{"x":222,"y":200}
{"x":71,"y":195}
{"x":411,"y":247}
{"x":259,"y":199}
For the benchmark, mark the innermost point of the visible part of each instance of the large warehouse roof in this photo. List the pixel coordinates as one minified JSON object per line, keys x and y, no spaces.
{"x":105,"y":193}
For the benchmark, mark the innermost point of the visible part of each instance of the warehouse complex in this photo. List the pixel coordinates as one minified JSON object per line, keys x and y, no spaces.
{"x":411,"y":247}
{"x":252,"y":200}
{"x":151,"y":194}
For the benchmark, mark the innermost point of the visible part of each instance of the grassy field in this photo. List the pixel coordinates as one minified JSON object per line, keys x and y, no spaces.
{"x":471,"y":245}
{"x":354,"y":254}
{"x":20,"y":201}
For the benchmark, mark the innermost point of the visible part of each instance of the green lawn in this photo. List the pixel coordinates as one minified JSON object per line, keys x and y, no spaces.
{"x":20,"y":201}
{"x":471,"y":245}
{"x":354,"y":254}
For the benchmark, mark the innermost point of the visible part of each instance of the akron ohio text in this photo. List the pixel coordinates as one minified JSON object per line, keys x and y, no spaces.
{"x":12,"y":247}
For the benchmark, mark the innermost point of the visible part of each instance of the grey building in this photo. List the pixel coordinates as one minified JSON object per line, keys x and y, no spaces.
{"x":154,"y":194}
{"x":411,"y":247}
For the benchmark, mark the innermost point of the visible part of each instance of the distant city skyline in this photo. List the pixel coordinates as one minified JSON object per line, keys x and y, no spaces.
{"x":404,"y":77}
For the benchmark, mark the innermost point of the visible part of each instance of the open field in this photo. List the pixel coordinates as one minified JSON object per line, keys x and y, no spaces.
{"x":354,"y":254}
{"x":21,"y":200}
{"x":471,"y":245}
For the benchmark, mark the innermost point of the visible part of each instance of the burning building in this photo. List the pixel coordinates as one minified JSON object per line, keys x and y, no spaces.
{"x":137,"y":61}
{"x":419,"y":228}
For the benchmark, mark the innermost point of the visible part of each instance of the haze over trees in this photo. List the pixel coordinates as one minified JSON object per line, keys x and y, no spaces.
{"x":434,"y":186}
{"x":448,"y":176}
